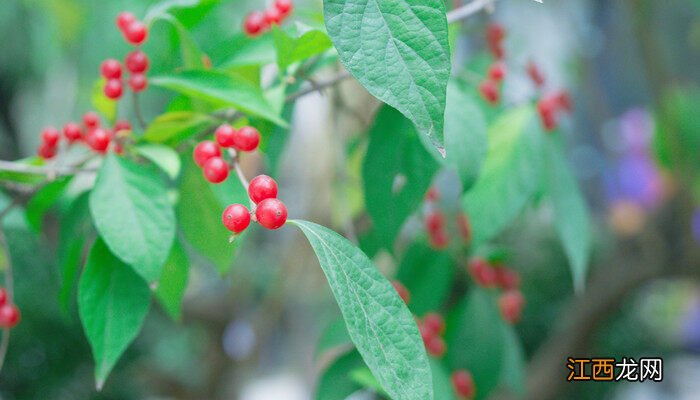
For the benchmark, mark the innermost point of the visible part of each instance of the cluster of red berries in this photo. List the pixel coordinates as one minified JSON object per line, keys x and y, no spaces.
{"x":270,"y":212}
{"x":431,"y":328}
{"x":136,"y":62}
{"x":511,"y":301}
{"x":436,"y":226}
{"x":257,"y":22}
{"x":550,"y":105}
{"x":9,"y":313}
{"x":90,"y":132}
{"x":491,"y":86}
{"x":207,"y":154}
{"x":463,"y":384}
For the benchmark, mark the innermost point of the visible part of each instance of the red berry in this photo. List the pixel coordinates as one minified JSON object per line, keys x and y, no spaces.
{"x":246,"y":139}
{"x":91,"y":120}
{"x":482,"y":273}
{"x":434,"y":221}
{"x":98,"y":139}
{"x":138,"y":82}
{"x":425,"y":333}
{"x":216,"y":170}
{"x":111,"y":69}
{"x":511,"y":304}
{"x":46,"y":152}
{"x":3,"y":296}
{"x":507,"y":278}
{"x":563,"y":100}
{"x":497,"y":71}
{"x":495,"y":33}
{"x":113,"y":89}
{"x":535,"y":74}
{"x":50,"y":137}
{"x":136,"y":32}
{"x":489,"y":90}
{"x":434,"y":322}
{"x":432,"y":195}
{"x":272,"y":16}
{"x":72,"y":131}
{"x":236,"y":218}
{"x":436,"y":346}
{"x":122,"y":125}
{"x":463,"y":384}
{"x":284,"y":6}
{"x":403,"y":292}
{"x":546,"y":108}
{"x":439,"y":239}
{"x":262,"y":187}
{"x":464,"y":227}
{"x":204,"y":151}
{"x":9,"y":316}
{"x":136,"y":62}
{"x":225,"y":135}
{"x":124,"y":19}
{"x":254,"y":23}
{"x":271,"y":213}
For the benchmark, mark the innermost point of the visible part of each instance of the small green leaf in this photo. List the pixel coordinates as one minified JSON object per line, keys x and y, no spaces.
{"x":570,"y":212}
{"x":113,"y":303}
{"x":428,"y":275}
{"x":176,"y":126}
{"x":397,"y":172}
{"x":363,"y":377}
{"x":75,"y":231}
{"x":133,"y":215}
{"x":291,"y":49}
{"x":221,"y":89}
{"x":164,"y":157}
{"x":172,"y":284}
{"x":335,"y":382}
{"x":104,"y":105}
{"x":378,"y":321}
{"x":398,"y":50}
{"x":43,"y":200}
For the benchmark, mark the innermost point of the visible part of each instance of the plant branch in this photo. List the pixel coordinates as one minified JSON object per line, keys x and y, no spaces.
{"x":467,"y":10}
{"x":48,"y":171}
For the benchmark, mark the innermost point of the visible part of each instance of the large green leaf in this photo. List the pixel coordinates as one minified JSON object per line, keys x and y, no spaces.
{"x":465,"y":135}
{"x":176,"y":126}
{"x":222,"y":90}
{"x":43,"y":200}
{"x":428,"y":275}
{"x":162,"y":156}
{"x":399,"y":51}
{"x":132,"y":213}
{"x":75,"y":232}
{"x":291,"y":49}
{"x":243,"y":51}
{"x":571,"y":216}
{"x":113,"y":302}
{"x":172,"y":284}
{"x":397,"y":172}
{"x":378,"y":321}
{"x":510,"y":175}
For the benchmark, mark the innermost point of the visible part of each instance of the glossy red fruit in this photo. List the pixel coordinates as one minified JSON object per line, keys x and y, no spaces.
{"x":50,"y":136}
{"x":511,"y":304}
{"x":111,"y":69}
{"x":547,"y":108}
{"x":136,"y":62}
{"x":439,"y":239}
{"x":72,"y":131}
{"x":9,"y":316}
{"x":3,"y":296}
{"x":216,"y":170}
{"x":254,"y":23}
{"x":482,"y":272}
{"x":464,"y":227}
{"x":272,"y":16}
{"x":262,"y":187}
{"x":533,"y":71}
{"x":285,"y":7}
{"x":271,"y":213}
{"x":507,"y":278}
{"x":236,"y":218}
{"x":122,"y":125}
{"x":91,"y":120}
{"x":463,"y":384}
{"x":46,"y":152}
{"x":204,"y":151}
{"x":225,"y":135}
{"x":497,"y":71}
{"x":136,"y":32}
{"x":489,"y":90}
{"x":402,"y":291}
{"x":434,"y":322}
{"x":124,"y":19}
{"x":434,"y":221}
{"x":113,"y":89}
{"x":138,"y":82}
{"x":436,"y":346}
{"x":246,"y":139}
{"x":98,"y":139}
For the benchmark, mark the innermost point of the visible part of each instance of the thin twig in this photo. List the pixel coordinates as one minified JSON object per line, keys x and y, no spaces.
{"x":137,"y":111}
{"x":48,"y":171}
{"x":318,"y":86}
{"x":467,"y":10}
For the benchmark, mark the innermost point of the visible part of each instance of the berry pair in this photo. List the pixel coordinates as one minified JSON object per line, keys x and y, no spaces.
{"x":9,"y":313}
{"x":135,"y":32}
{"x":136,"y":63}
{"x":490,"y":88}
{"x":436,"y":226}
{"x":463,"y":384}
{"x":207,"y":154}
{"x":270,"y":212}
{"x":495,"y":34}
{"x":550,"y":105}
{"x":431,"y":328}
{"x":487,"y":275}
{"x":257,"y":22}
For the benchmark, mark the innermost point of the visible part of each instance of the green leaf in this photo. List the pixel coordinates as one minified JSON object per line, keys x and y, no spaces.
{"x":397,"y":172}
{"x":133,"y":215}
{"x":571,"y":216}
{"x":333,"y":337}
{"x":164,"y":157}
{"x":441,"y":381}
{"x":221,"y":89}
{"x":75,"y":231}
{"x":510,"y":175}
{"x":514,"y":364}
{"x":199,"y":215}
{"x":172,"y":284}
{"x":335,"y":382}
{"x":398,"y":50}
{"x":104,"y":105}
{"x":190,"y":51}
{"x":43,"y":200}
{"x":465,"y":135}
{"x":174,"y":127}
{"x":363,"y":377}
{"x":113,"y":302}
{"x":428,"y":275}
{"x":291,"y":49}
{"x":378,"y":321}
{"x":244,"y":51}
